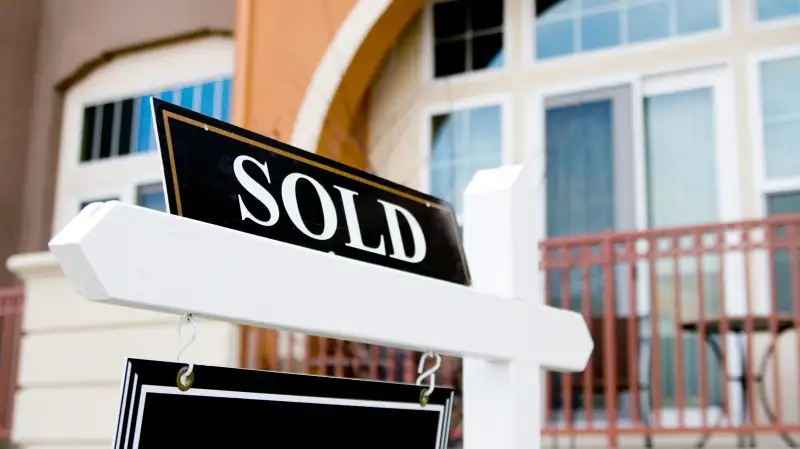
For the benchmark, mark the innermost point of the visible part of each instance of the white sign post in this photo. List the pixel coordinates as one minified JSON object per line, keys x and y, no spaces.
{"x":131,"y":256}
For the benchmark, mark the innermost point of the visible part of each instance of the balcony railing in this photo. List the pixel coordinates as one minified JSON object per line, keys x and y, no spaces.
{"x":694,"y":332}
{"x":11,"y":305}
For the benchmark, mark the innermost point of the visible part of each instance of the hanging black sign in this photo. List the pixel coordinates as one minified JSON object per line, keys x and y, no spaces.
{"x":239,"y":408}
{"x":224,"y":175}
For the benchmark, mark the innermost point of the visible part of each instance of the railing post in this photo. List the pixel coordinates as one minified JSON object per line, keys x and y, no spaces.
{"x":502,"y":398}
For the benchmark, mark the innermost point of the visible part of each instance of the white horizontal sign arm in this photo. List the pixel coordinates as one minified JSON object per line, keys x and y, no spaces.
{"x":128,"y":255}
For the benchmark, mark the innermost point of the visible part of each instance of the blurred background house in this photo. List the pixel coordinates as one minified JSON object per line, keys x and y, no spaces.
{"x":665,"y":133}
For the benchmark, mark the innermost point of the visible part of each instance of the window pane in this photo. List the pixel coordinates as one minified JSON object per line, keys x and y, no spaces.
{"x":88,"y":133}
{"x":451,"y":58}
{"x":780,"y":87}
{"x":610,"y":23}
{"x":449,"y":19}
{"x":125,"y":123}
{"x":167,"y":96}
{"x":486,"y":14}
{"x":187,"y":97}
{"x":555,"y":39}
{"x":145,"y":125}
{"x":782,"y":154}
{"x":446,"y":137}
{"x":462,"y":143}
{"x":780,"y":92}
{"x":696,"y":15}
{"x":777,"y":204}
{"x":484,"y":139}
{"x":590,"y":5}
{"x":547,"y":9}
{"x":487,"y":51}
{"x":681,"y":177}
{"x":648,"y":22}
{"x":580,"y":189}
{"x":580,"y":169}
{"x":207,"y":99}
{"x":106,"y":127}
{"x":777,"y":9}
{"x":226,"y":99}
{"x":783,"y":203}
{"x":681,"y":146}
{"x":151,"y":196}
{"x":600,"y":31}
{"x":467,"y":36}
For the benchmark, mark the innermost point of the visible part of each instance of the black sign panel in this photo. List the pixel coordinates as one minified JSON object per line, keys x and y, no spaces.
{"x":224,"y":175}
{"x":236,"y":408}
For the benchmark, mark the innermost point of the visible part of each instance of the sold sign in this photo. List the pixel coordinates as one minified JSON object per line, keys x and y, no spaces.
{"x":227,"y":176}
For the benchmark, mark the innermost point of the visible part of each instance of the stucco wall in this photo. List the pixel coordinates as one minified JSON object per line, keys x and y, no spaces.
{"x":19,"y":29}
{"x":71,"y":34}
{"x":395,"y":111}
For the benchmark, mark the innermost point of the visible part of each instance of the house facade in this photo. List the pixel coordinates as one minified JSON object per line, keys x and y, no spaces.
{"x":661,"y":124}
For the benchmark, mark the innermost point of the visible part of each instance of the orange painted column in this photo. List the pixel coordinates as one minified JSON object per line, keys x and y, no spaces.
{"x":279,"y":44}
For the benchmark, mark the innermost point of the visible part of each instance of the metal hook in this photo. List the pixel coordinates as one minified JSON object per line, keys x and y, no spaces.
{"x":186,"y":374}
{"x":430,"y":373}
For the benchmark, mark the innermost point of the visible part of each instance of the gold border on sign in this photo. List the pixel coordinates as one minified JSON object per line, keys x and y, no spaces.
{"x":272,"y":149}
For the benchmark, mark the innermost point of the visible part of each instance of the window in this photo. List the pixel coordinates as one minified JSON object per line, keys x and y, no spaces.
{"x":768,"y":10}
{"x":682,"y":185}
{"x":780,"y":109}
{"x":107,"y":135}
{"x":151,"y":196}
{"x":590,"y":185}
{"x":467,"y":36}
{"x":565,"y":27}
{"x":125,"y":126}
{"x":463,"y":142}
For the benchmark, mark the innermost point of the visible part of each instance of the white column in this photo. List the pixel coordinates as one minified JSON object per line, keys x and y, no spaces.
{"x":502,"y":398}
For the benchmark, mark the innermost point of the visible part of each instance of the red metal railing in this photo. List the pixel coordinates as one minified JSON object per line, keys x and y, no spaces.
{"x":691,"y":326}
{"x":294,"y":352}
{"x":693,"y":330}
{"x":11,"y":306}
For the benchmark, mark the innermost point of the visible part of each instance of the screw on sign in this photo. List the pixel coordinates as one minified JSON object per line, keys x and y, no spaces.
{"x":263,"y":234}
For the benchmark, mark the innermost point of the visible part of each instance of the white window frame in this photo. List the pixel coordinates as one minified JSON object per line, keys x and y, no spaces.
{"x":752,"y":22}
{"x":715,"y":74}
{"x":762,"y":186}
{"x":506,"y":130}
{"x":529,"y":36}
{"x":427,"y":53}
{"x":125,"y":77}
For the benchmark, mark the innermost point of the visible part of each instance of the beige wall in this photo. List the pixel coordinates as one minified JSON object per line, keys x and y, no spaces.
{"x":19,"y":26}
{"x":72,"y":357}
{"x":72,"y":33}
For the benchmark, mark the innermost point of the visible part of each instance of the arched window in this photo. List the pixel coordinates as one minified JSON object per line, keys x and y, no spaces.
{"x":108,"y":147}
